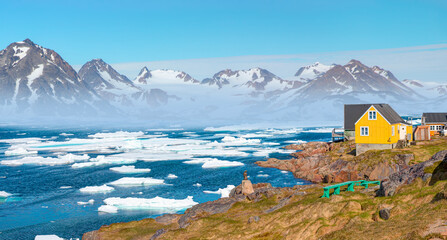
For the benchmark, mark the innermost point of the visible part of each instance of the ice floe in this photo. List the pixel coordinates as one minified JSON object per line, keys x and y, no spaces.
{"x":4,"y":194}
{"x":104,"y":160}
{"x":197,"y":185}
{"x":129,"y":181}
{"x":89,"y":202}
{"x":48,"y":237}
{"x":65,"y":187}
{"x":119,"y":134}
{"x":66,"y":134}
{"x":263,"y":175}
{"x":224,"y":192}
{"x":50,"y":161}
{"x":19,"y":151}
{"x":108,"y":209}
{"x":130,"y":169}
{"x":171,"y":176}
{"x":221,"y":163}
{"x":213,"y":163}
{"x":97,"y":189}
{"x":164,"y":205}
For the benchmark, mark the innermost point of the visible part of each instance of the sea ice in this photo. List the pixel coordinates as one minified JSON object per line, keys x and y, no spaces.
{"x":4,"y":194}
{"x":108,"y":209}
{"x":157,"y":203}
{"x":130,"y":169}
{"x":48,"y":237}
{"x":91,"y":201}
{"x":119,"y":134}
{"x":197,"y":185}
{"x":97,"y":189}
{"x":50,"y":161}
{"x":103,"y":160}
{"x":129,"y":181}
{"x":221,"y":163}
{"x":19,"y":151}
{"x":171,"y":176}
{"x":224,"y":192}
{"x":263,"y":175}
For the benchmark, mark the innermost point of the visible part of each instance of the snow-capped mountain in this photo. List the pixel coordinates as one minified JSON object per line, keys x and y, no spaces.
{"x":427,"y":89}
{"x":117,"y":88}
{"x":163,"y":77}
{"x":38,"y":79}
{"x":107,"y":82}
{"x":356,"y":80}
{"x":312,"y":71}
{"x":254,"y":79}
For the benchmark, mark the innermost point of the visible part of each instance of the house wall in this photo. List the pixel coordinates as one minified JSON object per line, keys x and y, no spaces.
{"x":379,"y":130}
{"x":361,"y":148}
{"x":435,"y":132}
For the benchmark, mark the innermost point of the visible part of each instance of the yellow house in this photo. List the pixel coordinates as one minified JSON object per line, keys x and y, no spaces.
{"x":380,"y":127}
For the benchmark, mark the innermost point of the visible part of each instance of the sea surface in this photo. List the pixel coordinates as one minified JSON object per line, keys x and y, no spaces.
{"x":42,"y":171}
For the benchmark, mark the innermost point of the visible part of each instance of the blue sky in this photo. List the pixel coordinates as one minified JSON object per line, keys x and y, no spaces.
{"x":137,"y":31}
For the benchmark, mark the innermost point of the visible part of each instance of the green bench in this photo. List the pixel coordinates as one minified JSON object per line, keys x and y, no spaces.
{"x":350,"y":184}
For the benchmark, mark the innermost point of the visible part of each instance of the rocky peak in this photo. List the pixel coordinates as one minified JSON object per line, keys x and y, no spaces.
{"x":143,"y":76}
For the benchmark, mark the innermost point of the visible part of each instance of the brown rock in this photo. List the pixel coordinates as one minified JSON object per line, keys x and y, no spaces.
{"x":247,"y":187}
{"x":167,"y":218}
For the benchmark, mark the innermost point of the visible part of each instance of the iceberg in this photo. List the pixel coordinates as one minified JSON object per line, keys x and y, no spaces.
{"x":224,"y":192}
{"x":97,"y":189}
{"x":263,"y":175}
{"x":164,"y":205}
{"x":130,"y":169}
{"x":129,"y":181}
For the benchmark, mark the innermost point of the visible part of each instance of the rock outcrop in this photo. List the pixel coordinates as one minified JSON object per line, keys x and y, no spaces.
{"x":314,"y":163}
{"x":389,"y":186}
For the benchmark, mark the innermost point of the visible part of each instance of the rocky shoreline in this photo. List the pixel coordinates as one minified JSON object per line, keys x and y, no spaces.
{"x":321,"y":162}
{"x":270,"y":212}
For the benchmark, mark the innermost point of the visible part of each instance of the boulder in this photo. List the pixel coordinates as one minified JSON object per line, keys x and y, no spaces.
{"x":385,"y":213}
{"x":389,"y":186}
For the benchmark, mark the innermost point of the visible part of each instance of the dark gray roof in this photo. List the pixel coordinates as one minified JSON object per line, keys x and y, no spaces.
{"x":354,"y":111}
{"x":435,"y":117}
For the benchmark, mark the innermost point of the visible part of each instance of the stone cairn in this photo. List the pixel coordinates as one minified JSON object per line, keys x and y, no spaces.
{"x":247,"y":187}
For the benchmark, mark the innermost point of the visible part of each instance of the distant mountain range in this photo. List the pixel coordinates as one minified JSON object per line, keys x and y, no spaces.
{"x":37,"y":80}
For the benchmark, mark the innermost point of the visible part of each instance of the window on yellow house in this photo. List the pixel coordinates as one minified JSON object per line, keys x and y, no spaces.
{"x":372,"y":115}
{"x":364,"y":131}
{"x":392,"y":130}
